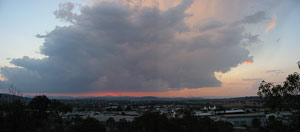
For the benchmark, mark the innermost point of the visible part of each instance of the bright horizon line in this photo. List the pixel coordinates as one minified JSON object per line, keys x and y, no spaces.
{"x":115,"y":95}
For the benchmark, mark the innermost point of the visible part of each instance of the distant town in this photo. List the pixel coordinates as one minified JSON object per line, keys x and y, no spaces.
{"x":242,"y":113}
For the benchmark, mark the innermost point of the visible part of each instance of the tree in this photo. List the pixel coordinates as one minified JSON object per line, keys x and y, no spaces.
{"x":57,"y":106}
{"x":16,"y":118}
{"x":224,"y":126}
{"x":88,"y":125}
{"x":128,"y":108}
{"x":256,"y":123}
{"x":151,"y":122}
{"x":282,"y":96}
{"x":124,"y":126}
{"x":274,"y":125}
{"x":111,"y":124}
{"x":292,"y":90}
{"x":40,"y":103}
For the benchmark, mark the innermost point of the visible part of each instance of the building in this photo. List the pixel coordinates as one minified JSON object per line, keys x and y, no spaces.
{"x":245,"y":120}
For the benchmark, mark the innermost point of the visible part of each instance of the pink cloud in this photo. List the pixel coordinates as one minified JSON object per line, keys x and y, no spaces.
{"x":272,"y":24}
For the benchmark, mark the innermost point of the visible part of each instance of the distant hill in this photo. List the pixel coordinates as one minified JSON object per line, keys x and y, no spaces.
{"x":145,"y":98}
{"x":126,"y":98}
{"x":9,"y":98}
{"x":151,"y":98}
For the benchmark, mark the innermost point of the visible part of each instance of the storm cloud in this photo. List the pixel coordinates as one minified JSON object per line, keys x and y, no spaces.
{"x":112,"y":47}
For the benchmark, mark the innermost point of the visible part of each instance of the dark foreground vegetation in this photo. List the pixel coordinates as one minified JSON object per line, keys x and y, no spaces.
{"x":42,"y":115}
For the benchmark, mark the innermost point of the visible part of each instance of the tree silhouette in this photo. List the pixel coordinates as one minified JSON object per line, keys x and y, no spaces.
{"x":57,"y":106}
{"x":283,"y":96}
{"x":279,"y":96}
{"x":88,"y":125}
{"x":40,"y":103}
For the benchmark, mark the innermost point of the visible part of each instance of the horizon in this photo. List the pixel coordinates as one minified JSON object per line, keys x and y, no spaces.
{"x":130,"y":97}
{"x":137,"y":48}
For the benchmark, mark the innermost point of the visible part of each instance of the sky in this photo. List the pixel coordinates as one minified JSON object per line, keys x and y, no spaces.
{"x":163,"y":48}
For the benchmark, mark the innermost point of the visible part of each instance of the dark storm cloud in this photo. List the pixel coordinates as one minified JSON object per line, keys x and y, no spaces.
{"x":112,"y":47}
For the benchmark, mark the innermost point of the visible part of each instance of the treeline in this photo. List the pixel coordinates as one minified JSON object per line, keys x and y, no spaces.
{"x":39,"y":115}
{"x":278,"y":98}
{"x":42,"y":115}
{"x":155,"y":122}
